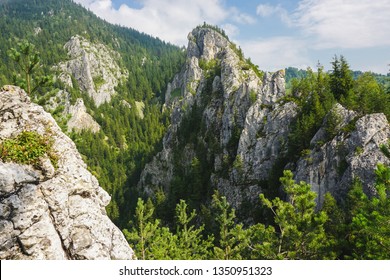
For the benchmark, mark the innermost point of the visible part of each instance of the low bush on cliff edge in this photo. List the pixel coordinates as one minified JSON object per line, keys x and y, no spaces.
{"x":27,"y":148}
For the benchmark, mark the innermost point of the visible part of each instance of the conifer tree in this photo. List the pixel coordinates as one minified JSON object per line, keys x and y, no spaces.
{"x":232,"y":237}
{"x":341,"y":79}
{"x":190,"y":243}
{"x":299,"y":228}
{"x":369,"y":219}
{"x":143,"y":231}
{"x":28,"y":60}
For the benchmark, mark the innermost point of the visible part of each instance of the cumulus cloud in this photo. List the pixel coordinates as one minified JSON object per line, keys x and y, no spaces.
{"x":267,"y":10}
{"x":344,"y":24}
{"x":168,"y":20}
{"x":276,"y":53}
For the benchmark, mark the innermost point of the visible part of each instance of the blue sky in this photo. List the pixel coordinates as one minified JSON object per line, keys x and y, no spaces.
{"x":274,"y":34}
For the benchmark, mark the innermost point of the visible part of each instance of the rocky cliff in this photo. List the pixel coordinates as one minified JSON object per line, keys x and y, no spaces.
{"x":354,"y":152}
{"x":51,"y":210}
{"x":243,"y":127}
{"x":80,"y":119}
{"x":94,"y":67}
{"x":234,"y":122}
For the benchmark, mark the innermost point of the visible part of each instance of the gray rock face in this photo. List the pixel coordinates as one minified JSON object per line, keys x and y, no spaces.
{"x":80,"y":120}
{"x":251,"y":113}
{"x":94,"y":67}
{"x":332,"y":166}
{"x":230,"y":115}
{"x":47,"y":212}
{"x":264,"y":138}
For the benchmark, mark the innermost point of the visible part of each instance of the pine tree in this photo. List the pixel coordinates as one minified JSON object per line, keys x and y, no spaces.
{"x":232,"y":238}
{"x":190,"y":244}
{"x":369,"y":219}
{"x":142,"y":233}
{"x":341,"y":79}
{"x":28,"y":60}
{"x":299,"y":228}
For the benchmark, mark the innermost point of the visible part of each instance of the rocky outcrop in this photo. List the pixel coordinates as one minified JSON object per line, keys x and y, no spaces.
{"x":94,"y":67}
{"x":242,"y":123}
{"x":354,"y":152}
{"x":76,"y":116}
{"x":240,"y":115}
{"x":47,"y":211}
{"x":264,"y":138}
{"x":80,"y":120}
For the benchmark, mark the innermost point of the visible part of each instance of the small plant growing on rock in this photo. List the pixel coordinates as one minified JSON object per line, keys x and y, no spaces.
{"x":27,"y":148}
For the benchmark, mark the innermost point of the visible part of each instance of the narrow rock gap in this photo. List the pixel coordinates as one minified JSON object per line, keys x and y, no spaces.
{"x":21,"y":246}
{"x":18,"y":187}
{"x":53,"y":220}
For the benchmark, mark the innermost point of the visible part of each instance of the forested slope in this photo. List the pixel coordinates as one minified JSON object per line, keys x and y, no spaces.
{"x":125,"y":142}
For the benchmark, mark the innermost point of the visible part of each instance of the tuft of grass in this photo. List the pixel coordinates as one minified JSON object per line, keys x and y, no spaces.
{"x":28,"y":148}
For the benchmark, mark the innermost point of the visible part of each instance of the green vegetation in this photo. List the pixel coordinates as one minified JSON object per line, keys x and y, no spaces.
{"x":314,"y":98}
{"x":36,"y":31}
{"x":176,"y":93}
{"x":28,"y":147}
{"x":214,"y":27}
{"x":316,"y":93}
{"x":28,"y":60}
{"x":190,"y":220}
{"x":211,"y":67}
{"x":98,"y":81}
{"x":355,"y":230}
{"x":252,"y":97}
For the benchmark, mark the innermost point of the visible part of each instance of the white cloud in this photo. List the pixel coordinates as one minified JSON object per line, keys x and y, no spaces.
{"x":242,"y":18}
{"x":231,"y":30}
{"x":267,"y":10}
{"x":168,"y":20}
{"x":276,"y":53}
{"x":345,"y":24}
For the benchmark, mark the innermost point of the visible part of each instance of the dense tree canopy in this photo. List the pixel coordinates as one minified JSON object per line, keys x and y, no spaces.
{"x":357,"y":230}
{"x":33,"y":34}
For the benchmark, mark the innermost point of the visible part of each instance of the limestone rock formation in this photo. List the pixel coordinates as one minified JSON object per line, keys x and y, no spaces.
{"x":76,"y":116}
{"x":80,"y":120}
{"x":94,"y":67}
{"x":49,"y":212}
{"x":331,"y":165}
{"x":240,"y":112}
{"x":243,"y":122}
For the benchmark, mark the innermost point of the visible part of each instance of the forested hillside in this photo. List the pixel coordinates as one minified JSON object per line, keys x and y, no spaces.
{"x":295,"y":73}
{"x":120,"y":149}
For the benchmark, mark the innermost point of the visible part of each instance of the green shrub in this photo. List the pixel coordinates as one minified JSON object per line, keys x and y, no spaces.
{"x":176,"y":93}
{"x":252,"y":96}
{"x":27,"y":148}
